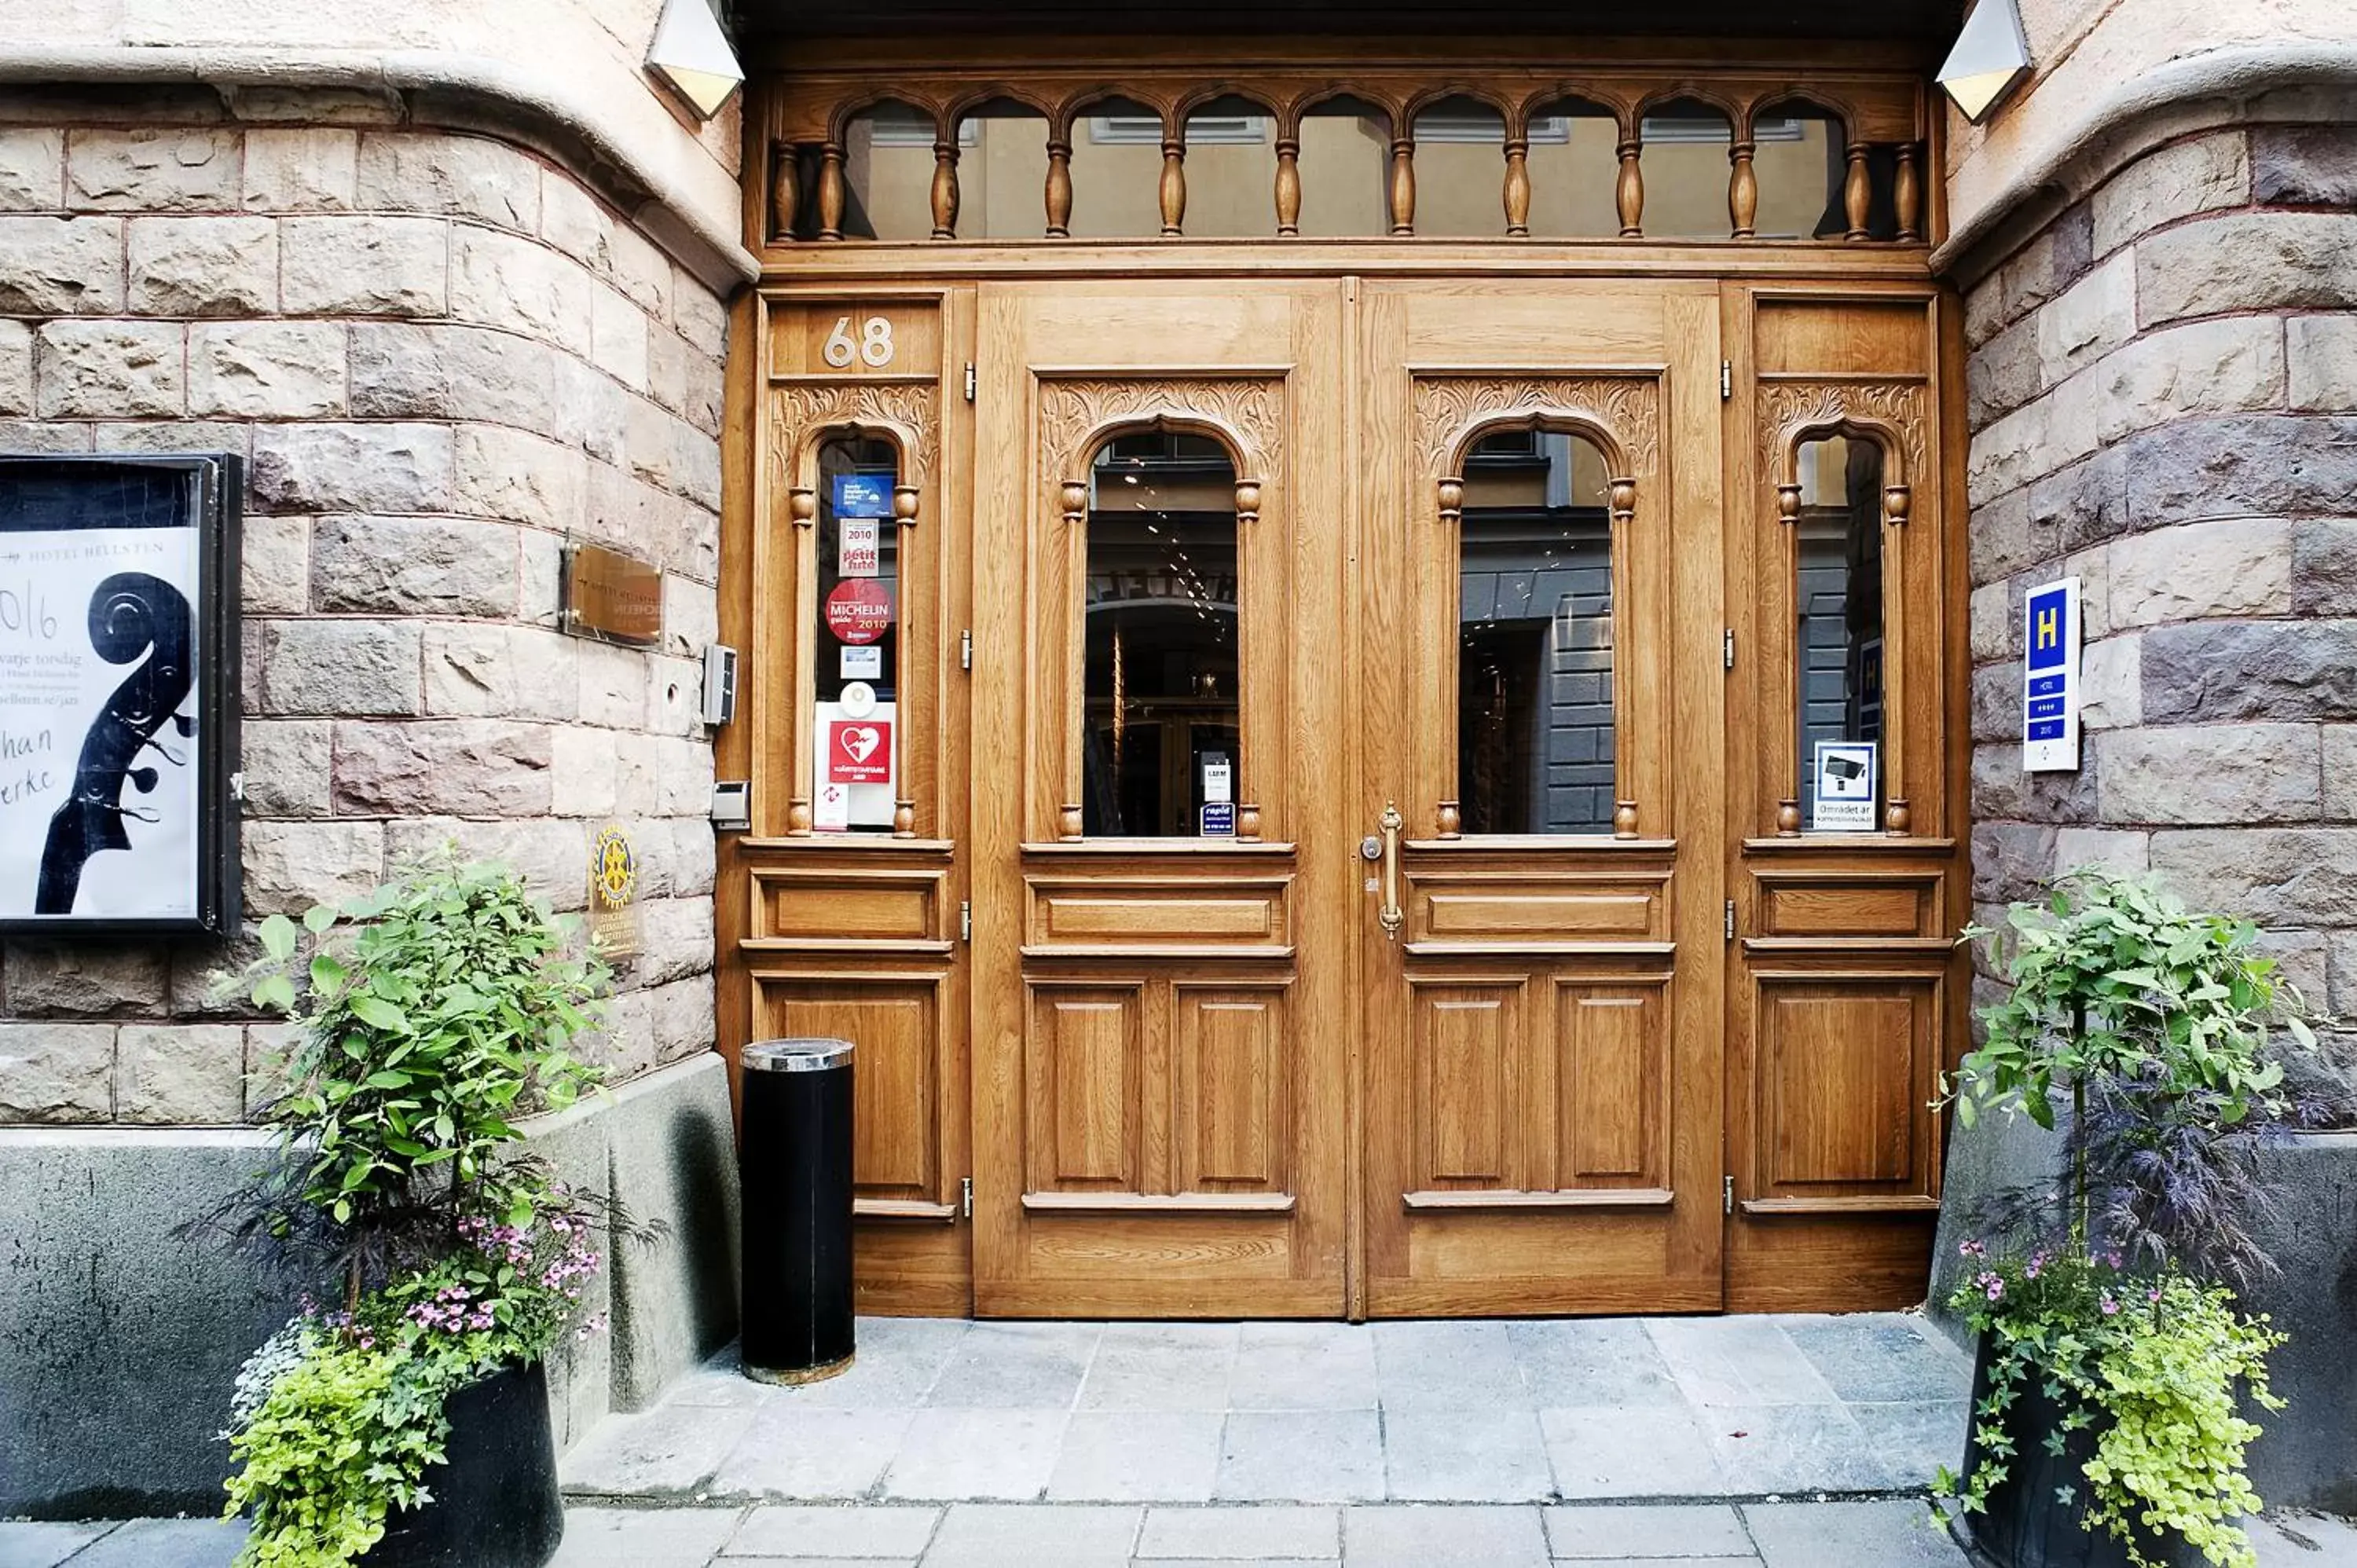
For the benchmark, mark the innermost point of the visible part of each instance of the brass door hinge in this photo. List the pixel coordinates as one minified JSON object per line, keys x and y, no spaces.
{"x":1726,"y":380}
{"x":965,"y":650}
{"x":965,"y":1196}
{"x":1727,"y":1195}
{"x":1727,"y":648}
{"x":969,"y":380}
{"x":966,"y":920}
{"x":1730,"y":919}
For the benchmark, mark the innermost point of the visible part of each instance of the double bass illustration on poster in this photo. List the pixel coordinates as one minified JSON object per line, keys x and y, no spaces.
{"x":104,"y":806}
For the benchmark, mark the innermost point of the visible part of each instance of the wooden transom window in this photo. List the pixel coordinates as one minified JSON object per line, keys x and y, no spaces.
{"x":924,"y":153}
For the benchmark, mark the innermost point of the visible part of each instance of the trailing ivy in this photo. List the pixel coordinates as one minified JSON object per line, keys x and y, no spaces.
{"x":2151,"y":1366}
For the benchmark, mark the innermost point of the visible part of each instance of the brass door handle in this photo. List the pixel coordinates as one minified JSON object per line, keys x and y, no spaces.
{"x":1391,"y":917}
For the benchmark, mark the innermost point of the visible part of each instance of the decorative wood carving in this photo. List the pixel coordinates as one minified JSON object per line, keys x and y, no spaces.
{"x":906,"y":409}
{"x":1857,"y":193}
{"x":1249,"y":409}
{"x":1789,"y":410}
{"x":1626,"y":410}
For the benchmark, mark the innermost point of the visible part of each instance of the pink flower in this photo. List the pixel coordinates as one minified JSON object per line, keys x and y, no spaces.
{"x":2111,"y":1307}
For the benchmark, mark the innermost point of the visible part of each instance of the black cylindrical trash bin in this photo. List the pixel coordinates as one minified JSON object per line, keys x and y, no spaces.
{"x":795,"y":1159}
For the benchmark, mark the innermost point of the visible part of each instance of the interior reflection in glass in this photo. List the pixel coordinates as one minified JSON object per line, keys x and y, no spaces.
{"x":1839,"y":602}
{"x":1534,"y":637}
{"x":1160,"y":682}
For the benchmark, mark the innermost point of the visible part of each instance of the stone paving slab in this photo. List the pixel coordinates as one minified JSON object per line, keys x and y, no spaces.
{"x":1886,"y":1533}
{"x":1474,"y":1412}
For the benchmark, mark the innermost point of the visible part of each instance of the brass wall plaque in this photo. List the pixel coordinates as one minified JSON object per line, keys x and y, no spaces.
{"x":611,"y":595}
{"x":613,"y":895}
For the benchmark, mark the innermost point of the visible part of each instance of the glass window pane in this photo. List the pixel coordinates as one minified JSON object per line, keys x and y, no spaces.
{"x":887,"y":170}
{"x":1116,"y":172}
{"x":1535,"y":691}
{"x":1840,"y":637}
{"x":1798,"y":158}
{"x":1002,"y":173}
{"x":1346,"y":160}
{"x":1575,"y":165}
{"x":1231,"y":170}
{"x":1686,"y":171}
{"x":858,"y":629}
{"x":1460,"y":170}
{"x":1160,"y":731}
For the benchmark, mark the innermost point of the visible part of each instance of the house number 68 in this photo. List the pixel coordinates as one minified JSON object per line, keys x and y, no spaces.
{"x":874,"y":345}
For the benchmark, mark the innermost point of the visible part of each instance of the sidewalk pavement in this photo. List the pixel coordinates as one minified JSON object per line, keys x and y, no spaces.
{"x":1886,"y":1533}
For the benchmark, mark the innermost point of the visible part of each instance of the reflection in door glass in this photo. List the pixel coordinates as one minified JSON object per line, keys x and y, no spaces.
{"x":1839,"y":603}
{"x":856,"y":672}
{"x":1534,"y":637}
{"x":1160,"y":733}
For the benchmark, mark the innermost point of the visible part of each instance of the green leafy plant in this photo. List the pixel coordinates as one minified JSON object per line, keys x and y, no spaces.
{"x":2113,"y":982}
{"x":2152,"y":1367}
{"x":2161,"y":1025}
{"x":429,"y":1017}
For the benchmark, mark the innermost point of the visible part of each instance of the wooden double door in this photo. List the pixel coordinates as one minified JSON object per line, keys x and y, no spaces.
{"x":1349,"y":840}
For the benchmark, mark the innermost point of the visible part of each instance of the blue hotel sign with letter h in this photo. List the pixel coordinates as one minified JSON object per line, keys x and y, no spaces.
{"x":2049,"y":690}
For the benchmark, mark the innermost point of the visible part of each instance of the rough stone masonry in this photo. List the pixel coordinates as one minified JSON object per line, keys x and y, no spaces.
{"x":2163,"y":397}
{"x":440,"y":353}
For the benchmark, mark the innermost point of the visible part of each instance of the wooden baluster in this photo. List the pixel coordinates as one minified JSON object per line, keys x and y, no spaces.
{"x":1629,"y":194}
{"x":1059,"y":188}
{"x":829,"y":192}
{"x":1448,"y":816}
{"x":1907,"y":190}
{"x":1403,"y":185}
{"x":946,"y":185}
{"x":783,"y":189}
{"x":1624,"y":819}
{"x":1742,"y":192}
{"x":1289,"y":186}
{"x":1517,"y":189}
{"x":1857,"y":192}
{"x":1173,"y":187}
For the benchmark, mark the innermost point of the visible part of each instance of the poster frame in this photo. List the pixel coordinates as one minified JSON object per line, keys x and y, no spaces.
{"x":217,"y":489}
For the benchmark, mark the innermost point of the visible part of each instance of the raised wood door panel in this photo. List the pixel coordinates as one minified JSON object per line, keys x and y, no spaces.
{"x":843,"y":933}
{"x":1848,"y":994}
{"x":1160,"y":1023}
{"x":1543,"y":1068}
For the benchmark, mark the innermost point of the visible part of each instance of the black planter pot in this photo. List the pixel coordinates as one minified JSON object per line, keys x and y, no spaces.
{"x":2027,"y":1524}
{"x":495,"y":1499}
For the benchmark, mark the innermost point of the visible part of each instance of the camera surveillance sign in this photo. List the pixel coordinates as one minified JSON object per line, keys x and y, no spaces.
{"x":1846,"y":788}
{"x":2050,"y":694}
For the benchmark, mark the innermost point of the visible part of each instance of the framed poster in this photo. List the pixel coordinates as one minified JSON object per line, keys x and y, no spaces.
{"x":119,"y":693}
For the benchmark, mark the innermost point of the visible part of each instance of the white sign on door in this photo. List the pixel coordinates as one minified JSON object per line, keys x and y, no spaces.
{"x":1846,"y":787}
{"x":860,"y":551}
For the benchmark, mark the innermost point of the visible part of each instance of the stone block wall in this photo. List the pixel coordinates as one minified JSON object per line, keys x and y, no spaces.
{"x":2163,"y":395}
{"x":440,"y":354}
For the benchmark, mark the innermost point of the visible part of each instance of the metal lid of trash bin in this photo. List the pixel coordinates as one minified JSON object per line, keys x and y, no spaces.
{"x":796,"y":1056}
